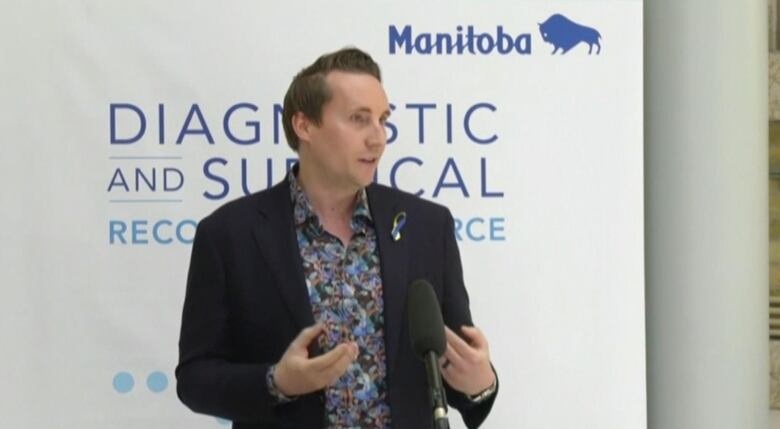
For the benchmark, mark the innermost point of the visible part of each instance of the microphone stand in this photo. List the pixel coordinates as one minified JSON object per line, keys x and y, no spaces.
{"x":437,"y":395}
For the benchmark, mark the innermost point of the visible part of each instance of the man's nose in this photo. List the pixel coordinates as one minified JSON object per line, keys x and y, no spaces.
{"x":377,"y":134}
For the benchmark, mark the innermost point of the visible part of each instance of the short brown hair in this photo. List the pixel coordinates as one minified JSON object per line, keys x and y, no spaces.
{"x":308,"y":91}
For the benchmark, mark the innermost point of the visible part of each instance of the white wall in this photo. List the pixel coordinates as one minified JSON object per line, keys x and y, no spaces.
{"x":558,"y":289}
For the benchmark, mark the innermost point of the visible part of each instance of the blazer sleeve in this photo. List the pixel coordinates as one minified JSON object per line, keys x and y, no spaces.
{"x":456,"y":313}
{"x":209,"y":378}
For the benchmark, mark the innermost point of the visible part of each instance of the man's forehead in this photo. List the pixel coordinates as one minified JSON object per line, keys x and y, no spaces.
{"x":356,"y":88}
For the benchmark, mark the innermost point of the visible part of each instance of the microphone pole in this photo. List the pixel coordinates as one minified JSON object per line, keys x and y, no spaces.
{"x":436,"y":390}
{"x":426,"y":330}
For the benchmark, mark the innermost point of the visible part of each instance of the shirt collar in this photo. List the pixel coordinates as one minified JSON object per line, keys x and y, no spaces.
{"x":304,"y":212}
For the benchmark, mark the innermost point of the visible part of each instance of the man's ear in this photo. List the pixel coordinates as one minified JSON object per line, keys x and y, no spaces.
{"x":301,"y":125}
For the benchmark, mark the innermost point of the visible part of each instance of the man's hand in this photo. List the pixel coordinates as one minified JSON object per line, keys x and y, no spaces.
{"x":296,"y":374}
{"x":466,"y":364}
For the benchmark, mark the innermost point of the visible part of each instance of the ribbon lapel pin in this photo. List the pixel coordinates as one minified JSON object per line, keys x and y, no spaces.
{"x":398,"y":224}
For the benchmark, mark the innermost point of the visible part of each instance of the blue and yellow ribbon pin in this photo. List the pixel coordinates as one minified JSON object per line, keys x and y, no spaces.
{"x":398,"y":224}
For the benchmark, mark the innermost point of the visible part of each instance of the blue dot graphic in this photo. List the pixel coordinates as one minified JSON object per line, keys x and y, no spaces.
{"x":157,"y":382}
{"x":223,"y":422}
{"x":123,"y":382}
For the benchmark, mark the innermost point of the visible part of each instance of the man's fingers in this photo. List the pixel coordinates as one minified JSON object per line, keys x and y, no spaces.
{"x":338,"y":368}
{"x":445,"y":364}
{"x":326,"y":360}
{"x":307,"y":335}
{"x":476,"y":337}
{"x":457,"y":343}
{"x":452,"y":355}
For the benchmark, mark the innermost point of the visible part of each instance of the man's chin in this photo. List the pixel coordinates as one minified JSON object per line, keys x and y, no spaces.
{"x":365,"y":180}
{"x":365,"y":176}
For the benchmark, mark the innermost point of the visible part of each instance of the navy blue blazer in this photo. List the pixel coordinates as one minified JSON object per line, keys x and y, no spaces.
{"x":246,"y":300}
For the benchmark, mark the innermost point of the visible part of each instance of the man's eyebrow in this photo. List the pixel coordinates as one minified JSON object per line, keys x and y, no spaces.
{"x":385,"y":114}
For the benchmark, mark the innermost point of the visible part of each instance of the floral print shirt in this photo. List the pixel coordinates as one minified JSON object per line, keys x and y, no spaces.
{"x":345,"y":291}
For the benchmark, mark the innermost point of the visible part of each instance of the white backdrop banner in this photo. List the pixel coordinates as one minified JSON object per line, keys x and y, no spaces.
{"x":124,"y":123}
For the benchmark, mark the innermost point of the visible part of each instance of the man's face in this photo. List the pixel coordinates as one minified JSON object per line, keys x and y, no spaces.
{"x":346,"y":146}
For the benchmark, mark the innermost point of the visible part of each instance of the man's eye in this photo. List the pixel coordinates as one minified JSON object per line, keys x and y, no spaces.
{"x":359,"y":118}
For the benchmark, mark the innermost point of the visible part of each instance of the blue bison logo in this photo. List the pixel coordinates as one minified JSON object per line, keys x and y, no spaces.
{"x":563,"y":33}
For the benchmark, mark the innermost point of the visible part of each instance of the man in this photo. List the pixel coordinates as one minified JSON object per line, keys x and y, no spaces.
{"x":294,"y":314}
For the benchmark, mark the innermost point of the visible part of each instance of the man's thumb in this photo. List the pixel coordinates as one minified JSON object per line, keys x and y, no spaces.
{"x":307,"y":335}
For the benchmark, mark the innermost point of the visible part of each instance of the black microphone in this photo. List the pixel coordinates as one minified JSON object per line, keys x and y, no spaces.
{"x":426,"y":329}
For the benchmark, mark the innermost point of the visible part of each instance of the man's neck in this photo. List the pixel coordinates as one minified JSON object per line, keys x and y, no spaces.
{"x":330,"y":203}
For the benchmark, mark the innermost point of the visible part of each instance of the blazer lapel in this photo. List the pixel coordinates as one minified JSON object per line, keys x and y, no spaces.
{"x":275,"y":236}
{"x":393,"y":257}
